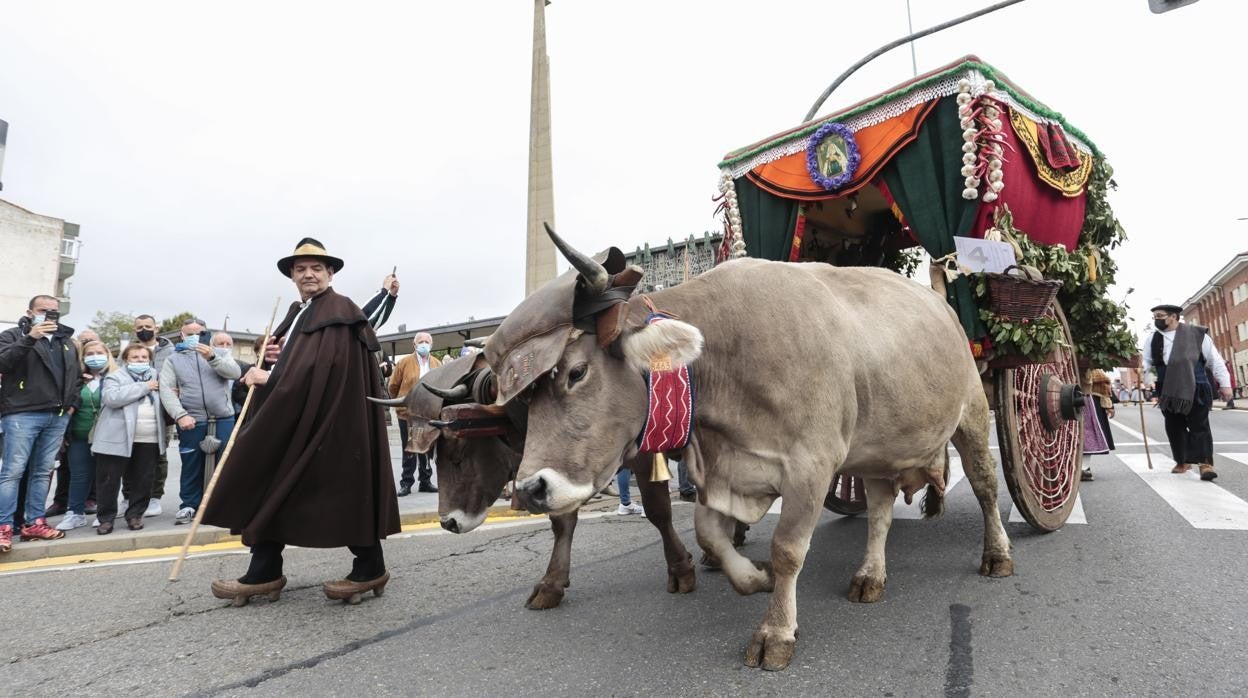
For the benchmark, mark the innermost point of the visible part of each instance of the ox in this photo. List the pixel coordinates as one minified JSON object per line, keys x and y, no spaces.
{"x":472,"y":472}
{"x":840,"y":398}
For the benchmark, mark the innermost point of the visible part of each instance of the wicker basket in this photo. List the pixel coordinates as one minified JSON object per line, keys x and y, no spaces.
{"x":1020,"y":297}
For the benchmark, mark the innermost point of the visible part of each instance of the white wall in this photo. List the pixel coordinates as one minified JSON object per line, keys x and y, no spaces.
{"x":30,"y":256}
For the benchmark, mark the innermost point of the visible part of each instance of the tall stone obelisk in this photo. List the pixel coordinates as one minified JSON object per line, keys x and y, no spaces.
{"x":540,"y":253}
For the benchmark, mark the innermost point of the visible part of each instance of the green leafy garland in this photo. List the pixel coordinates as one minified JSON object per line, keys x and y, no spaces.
{"x":1097,"y":323}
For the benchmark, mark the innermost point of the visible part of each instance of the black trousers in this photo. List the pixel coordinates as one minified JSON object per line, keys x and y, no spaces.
{"x":138,"y":470}
{"x":413,"y":462}
{"x":266,"y":563}
{"x":1191,"y":441}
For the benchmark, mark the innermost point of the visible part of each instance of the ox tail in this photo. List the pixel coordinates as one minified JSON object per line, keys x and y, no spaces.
{"x":933,"y":504}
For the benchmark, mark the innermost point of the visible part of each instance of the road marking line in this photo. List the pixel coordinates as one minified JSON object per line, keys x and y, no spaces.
{"x":1203,"y":504}
{"x":1077,"y":515}
{"x":1127,"y":429}
{"x":1241,"y":458}
{"x":232,"y":547}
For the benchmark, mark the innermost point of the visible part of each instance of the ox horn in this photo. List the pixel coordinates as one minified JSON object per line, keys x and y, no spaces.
{"x":478,"y":342}
{"x":392,"y":402}
{"x":594,"y":274}
{"x":459,"y":392}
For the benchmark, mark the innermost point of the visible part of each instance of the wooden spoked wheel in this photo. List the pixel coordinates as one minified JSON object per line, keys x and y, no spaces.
{"x":1041,"y":461}
{"x":847,"y":496}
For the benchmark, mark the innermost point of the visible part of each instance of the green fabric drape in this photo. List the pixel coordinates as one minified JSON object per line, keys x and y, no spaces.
{"x":926,"y":181}
{"x":767,"y":221}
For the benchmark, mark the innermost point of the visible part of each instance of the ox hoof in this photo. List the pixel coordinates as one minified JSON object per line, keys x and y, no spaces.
{"x":681,"y":578}
{"x":770,"y":651}
{"x":996,"y":565}
{"x":544,"y":597}
{"x":866,"y":589}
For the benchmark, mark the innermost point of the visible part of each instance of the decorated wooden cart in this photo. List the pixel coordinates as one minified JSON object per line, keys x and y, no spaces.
{"x":961,"y":152}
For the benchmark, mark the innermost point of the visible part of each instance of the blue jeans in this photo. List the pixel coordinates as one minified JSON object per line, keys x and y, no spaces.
{"x":31,"y":440}
{"x":621,"y":481}
{"x":81,"y":473}
{"x":191,"y":490}
{"x":682,"y":477}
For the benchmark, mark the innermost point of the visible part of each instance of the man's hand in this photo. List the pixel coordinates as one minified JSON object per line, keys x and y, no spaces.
{"x":274,"y":350}
{"x":186,"y":422}
{"x":1224,"y":393}
{"x":205,"y":351}
{"x":255,"y":376}
{"x":43,"y":329}
{"x":391,"y":284}
{"x":1110,"y":412}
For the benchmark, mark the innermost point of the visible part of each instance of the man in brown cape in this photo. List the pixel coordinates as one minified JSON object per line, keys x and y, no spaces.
{"x":311,"y":463}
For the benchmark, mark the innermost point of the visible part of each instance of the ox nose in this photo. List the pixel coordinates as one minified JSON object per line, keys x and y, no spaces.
{"x":451,"y":524}
{"x":533,"y":494}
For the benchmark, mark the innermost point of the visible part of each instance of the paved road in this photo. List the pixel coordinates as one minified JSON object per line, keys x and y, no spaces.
{"x":1137,"y":601}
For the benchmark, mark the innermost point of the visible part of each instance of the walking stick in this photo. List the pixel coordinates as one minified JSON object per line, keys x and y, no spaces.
{"x":1144,"y":433}
{"x":225,"y":456}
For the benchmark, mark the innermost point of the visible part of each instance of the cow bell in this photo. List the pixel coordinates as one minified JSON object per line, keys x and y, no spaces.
{"x":660,"y":472}
{"x":1058,"y":402}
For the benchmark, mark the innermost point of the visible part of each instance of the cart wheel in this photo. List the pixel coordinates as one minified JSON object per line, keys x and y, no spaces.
{"x":846,"y":496}
{"x":1041,"y":447}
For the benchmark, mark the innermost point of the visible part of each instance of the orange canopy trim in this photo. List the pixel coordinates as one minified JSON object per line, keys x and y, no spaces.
{"x":789,"y":178}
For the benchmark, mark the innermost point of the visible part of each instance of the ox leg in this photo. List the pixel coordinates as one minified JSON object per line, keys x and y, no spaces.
{"x":868,"y":583}
{"x":714,"y":531}
{"x":658,"y":505}
{"x":971,"y":440}
{"x":548,"y":592}
{"x":774,"y":642}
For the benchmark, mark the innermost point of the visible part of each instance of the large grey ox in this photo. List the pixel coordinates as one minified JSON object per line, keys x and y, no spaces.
{"x":472,"y":472}
{"x":801,"y":371}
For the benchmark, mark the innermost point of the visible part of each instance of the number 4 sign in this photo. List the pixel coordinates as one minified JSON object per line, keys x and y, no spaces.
{"x":984,"y":255}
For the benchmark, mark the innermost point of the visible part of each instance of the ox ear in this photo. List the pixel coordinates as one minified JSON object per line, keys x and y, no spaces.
{"x":678,"y":342}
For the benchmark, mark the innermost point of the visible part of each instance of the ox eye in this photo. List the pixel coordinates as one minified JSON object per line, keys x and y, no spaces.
{"x":577,"y":373}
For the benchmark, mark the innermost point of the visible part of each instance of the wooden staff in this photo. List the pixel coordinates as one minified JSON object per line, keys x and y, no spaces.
{"x":225,"y":456}
{"x":1144,"y":433}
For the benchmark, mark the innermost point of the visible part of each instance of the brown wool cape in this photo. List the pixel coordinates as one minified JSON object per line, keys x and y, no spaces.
{"x":311,"y":464}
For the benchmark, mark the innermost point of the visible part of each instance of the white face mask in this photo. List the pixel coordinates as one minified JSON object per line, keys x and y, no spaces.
{"x":221,"y":351}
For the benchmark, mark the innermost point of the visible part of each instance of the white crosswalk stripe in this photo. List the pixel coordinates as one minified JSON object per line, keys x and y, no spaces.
{"x":1203,"y":504}
{"x":1077,"y":516}
{"x":1237,"y":457}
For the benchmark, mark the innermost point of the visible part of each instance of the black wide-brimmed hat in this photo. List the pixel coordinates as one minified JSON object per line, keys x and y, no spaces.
{"x":1173,"y":309}
{"x":309,"y":247}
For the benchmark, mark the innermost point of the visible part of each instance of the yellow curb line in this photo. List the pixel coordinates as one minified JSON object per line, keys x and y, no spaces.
{"x":224,"y":546}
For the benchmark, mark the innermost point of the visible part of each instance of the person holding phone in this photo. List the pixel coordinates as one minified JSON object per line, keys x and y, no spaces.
{"x":38,"y":395}
{"x":129,"y":436}
{"x":195,"y":390}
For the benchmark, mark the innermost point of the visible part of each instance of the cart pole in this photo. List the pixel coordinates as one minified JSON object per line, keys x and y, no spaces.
{"x":1144,"y":433}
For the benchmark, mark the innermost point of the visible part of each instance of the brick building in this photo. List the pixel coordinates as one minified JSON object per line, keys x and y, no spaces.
{"x":1222,"y":306}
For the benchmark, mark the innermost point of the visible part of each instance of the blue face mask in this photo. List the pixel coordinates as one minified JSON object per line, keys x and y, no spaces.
{"x":95,"y":362}
{"x":139,"y":369}
{"x":191,"y":342}
{"x":422,"y":349}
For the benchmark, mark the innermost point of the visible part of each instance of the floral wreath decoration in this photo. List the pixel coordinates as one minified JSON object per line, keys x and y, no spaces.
{"x":852,"y":156}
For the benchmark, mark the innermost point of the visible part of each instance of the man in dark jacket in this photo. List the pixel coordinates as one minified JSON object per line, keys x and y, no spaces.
{"x":39,"y":362}
{"x":311,"y":462}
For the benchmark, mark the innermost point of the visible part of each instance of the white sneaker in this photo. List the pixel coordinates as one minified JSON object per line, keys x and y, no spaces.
{"x":184,"y":516}
{"x":71,"y":521}
{"x":153,"y":508}
{"x":630,"y":508}
{"x":96,"y":523}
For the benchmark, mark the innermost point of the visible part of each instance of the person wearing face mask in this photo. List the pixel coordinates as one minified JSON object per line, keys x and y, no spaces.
{"x":97,"y":363}
{"x":42,"y":377}
{"x":145,"y":328}
{"x":1183,"y":357}
{"x":405,"y":377}
{"x":129,"y":435}
{"x":195,"y":390}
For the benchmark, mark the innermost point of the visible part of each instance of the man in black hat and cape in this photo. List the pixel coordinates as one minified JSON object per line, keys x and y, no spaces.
{"x":311,"y":463}
{"x":1183,"y":356}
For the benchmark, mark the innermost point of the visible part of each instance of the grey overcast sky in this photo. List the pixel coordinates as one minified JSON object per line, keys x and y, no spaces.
{"x":195,"y":143}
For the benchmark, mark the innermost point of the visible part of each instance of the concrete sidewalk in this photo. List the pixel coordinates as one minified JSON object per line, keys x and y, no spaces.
{"x":161,"y":532}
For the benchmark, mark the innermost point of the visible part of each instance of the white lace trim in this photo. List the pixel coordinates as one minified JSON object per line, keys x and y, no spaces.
{"x":943,"y":88}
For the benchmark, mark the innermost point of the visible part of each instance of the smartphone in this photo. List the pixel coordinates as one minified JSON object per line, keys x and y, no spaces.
{"x":52,"y":315}
{"x":205,"y":337}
